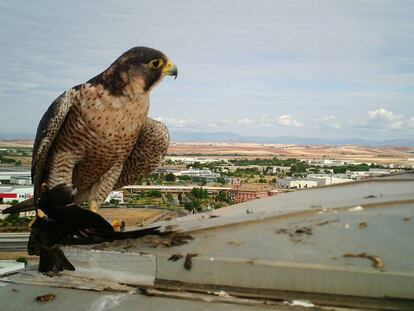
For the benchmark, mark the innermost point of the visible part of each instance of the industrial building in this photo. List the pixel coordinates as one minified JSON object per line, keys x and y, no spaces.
{"x":292,"y":183}
{"x":326,"y":179}
{"x":192,"y":160}
{"x":207,"y":174}
{"x":15,"y":176}
{"x":11,"y":193}
{"x":247,"y":192}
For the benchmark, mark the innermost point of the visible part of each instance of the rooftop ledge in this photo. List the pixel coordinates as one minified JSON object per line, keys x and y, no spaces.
{"x":344,"y":245}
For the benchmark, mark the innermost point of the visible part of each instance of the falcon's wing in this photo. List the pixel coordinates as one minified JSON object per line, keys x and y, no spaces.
{"x":47,"y":131}
{"x":149,"y":150}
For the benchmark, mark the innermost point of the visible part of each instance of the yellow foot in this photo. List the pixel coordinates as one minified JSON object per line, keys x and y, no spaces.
{"x":39,"y":214}
{"x":118,"y":225}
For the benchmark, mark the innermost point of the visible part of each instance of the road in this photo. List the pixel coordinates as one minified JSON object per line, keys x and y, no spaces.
{"x":14,"y":241}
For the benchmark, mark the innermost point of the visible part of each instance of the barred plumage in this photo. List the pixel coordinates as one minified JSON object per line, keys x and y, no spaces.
{"x":97,"y":135}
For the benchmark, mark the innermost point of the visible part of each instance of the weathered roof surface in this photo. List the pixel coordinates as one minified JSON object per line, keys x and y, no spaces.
{"x":23,"y":297}
{"x":343,"y":245}
{"x":8,"y":266}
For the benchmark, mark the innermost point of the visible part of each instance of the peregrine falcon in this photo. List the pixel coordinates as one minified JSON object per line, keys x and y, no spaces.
{"x":97,"y":136}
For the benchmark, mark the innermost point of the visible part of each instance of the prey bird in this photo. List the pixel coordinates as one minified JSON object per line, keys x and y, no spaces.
{"x":67,"y":224}
{"x":97,"y":135}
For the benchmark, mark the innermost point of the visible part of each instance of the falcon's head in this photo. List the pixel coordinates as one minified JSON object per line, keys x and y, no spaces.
{"x":138,"y":70}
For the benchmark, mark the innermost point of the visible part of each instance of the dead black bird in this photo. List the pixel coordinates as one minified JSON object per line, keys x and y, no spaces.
{"x":67,"y":224}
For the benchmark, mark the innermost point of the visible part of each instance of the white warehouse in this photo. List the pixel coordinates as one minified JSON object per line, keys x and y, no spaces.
{"x":296,"y":183}
{"x":325,"y":180}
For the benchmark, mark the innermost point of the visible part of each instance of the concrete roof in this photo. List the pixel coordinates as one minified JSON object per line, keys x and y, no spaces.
{"x":342,"y":245}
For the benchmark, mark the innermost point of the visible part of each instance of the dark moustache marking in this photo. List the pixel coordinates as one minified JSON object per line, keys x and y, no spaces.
{"x":135,"y":58}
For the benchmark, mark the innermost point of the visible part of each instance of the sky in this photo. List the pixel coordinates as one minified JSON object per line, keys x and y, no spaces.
{"x":325,"y":69}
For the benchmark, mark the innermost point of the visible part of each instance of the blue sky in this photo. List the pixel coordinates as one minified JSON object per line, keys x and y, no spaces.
{"x":272,"y":68}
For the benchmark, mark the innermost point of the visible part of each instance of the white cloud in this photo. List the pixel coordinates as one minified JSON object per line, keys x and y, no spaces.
{"x":174,"y":122}
{"x":224,"y":121}
{"x":246,"y":121}
{"x":410,"y":123}
{"x":384,"y":119}
{"x":330,"y":122}
{"x":287,"y":120}
{"x":265,"y":121}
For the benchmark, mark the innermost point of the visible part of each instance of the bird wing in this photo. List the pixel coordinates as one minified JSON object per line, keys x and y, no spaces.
{"x":147,"y":154}
{"x":47,"y":131}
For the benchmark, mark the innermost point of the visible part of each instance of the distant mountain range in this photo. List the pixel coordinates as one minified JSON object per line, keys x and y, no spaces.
{"x":229,"y":137}
{"x":17,"y":136}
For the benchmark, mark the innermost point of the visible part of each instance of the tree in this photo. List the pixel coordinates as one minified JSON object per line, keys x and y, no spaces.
{"x":154,"y":194}
{"x":170,"y":177}
{"x":199,"y":193}
{"x":193,"y":204}
{"x":223,"y":196}
{"x":170,"y":198}
{"x":114,"y":202}
{"x":12,"y":218}
{"x":184,"y":177}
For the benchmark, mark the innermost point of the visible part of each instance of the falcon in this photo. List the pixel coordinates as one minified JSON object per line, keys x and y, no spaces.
{"x":97,"y":135}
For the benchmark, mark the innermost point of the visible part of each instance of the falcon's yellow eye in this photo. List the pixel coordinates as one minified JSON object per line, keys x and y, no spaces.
{"x":156,"y":63}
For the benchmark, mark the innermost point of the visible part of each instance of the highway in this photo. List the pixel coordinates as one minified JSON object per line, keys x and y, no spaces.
{"x":13,"y":241}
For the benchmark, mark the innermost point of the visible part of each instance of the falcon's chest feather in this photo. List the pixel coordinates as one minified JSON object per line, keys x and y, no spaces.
{"x":111,"y":117}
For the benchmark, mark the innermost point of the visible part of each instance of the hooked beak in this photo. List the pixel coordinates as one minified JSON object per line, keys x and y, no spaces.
{"x":170,"y":70}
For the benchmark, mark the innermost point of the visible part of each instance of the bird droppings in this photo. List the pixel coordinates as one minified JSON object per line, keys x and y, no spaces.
{"x":170,"y":228}
{"x":175,"y":257}
{"x":188,"y":263}
{"x":168,"y":240}
{"x":304,"y":230}
{"x":376,"y":260}
{"x":407,"y":219}
{"x":235,"y":243}
{"x":315,"y":206}
{"x":221,"y":293}
{"x":177,"y":240}
{"x":300,"y":303}
{"x":296,"y":234}
{"x":362,"y":225}
{"x":251,"y":261}
{"x":356,"y":208}
{"x":327,"y":222}
{"x":46,"y":297}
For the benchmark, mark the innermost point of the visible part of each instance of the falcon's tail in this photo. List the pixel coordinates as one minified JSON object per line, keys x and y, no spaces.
{"x":24,"y":206}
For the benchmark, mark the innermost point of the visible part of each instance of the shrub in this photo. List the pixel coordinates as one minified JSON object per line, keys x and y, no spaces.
{"x":22,"y":259}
